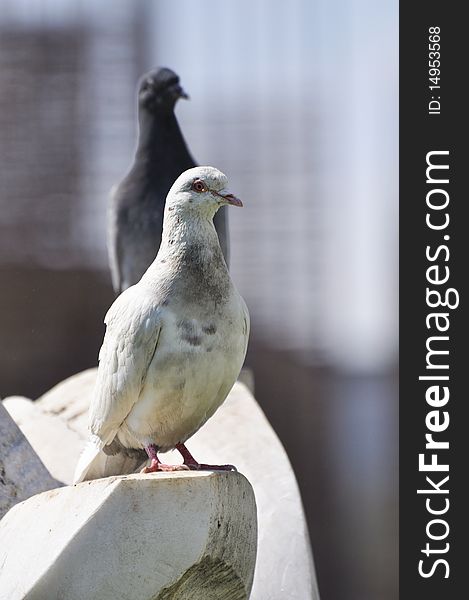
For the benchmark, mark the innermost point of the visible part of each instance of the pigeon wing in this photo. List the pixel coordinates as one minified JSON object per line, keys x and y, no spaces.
{"x":133,"y":326}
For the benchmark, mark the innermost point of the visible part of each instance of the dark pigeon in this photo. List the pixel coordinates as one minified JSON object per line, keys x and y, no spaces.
{"x":137,"y":204}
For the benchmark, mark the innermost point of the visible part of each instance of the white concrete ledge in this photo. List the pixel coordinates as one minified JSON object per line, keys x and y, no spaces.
{"x":238,"y":433}
{"x":54,"y":441}
{"x":164,"y":536}
{"x":22,"y":474}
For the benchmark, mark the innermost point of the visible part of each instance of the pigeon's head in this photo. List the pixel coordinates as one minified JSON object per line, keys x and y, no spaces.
{"x":159,"y":91}
{"x":201,"y":190}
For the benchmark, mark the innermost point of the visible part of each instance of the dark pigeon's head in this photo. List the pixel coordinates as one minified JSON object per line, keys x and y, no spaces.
{"x":159,"y":91}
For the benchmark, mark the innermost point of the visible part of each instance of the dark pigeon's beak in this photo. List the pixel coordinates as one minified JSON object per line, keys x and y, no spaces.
{"x":229,"y":198}
{"x":179,"y":92}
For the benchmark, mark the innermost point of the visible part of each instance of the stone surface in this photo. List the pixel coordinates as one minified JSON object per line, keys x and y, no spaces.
{"x":22,"y":474}
{"x":55,"y":442}
{"x":70,"y":400}
{"x":184,"y":536}
{"x":238,"y":433}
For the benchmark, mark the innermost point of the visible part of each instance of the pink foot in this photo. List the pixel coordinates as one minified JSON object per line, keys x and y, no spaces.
{"x":156,"y":466}
{"x":204,"y":467}
{"x":193,"y":465}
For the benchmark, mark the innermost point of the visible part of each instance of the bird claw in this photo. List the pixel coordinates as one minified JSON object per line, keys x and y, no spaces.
{"x":162,"y":468}
{"x":205,"y":467}
{"x":189,"y":464}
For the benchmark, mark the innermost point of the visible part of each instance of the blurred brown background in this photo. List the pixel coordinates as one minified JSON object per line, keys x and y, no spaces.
{"x":297,"y":103}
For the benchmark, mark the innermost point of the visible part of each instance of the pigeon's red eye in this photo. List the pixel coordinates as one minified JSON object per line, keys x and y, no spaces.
{"x":199,"y":186}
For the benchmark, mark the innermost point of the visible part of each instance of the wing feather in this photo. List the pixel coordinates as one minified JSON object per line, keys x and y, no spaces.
{"x":133,"y":326}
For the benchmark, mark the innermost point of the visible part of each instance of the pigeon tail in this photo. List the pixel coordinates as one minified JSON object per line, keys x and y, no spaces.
{"x":95,"y":464}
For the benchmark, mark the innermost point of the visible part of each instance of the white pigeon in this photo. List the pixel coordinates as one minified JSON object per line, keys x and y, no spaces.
{"x":175,"y":342}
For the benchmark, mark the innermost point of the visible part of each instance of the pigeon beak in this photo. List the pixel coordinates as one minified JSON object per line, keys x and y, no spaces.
{"x":180,"y":93}
{"x":228,"y":198}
